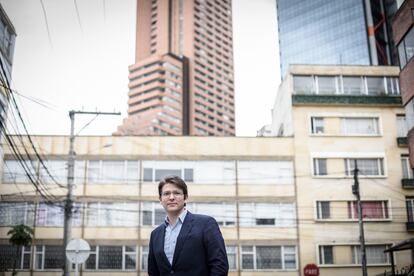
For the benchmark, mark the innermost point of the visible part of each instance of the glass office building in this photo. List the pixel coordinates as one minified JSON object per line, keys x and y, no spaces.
{"x":331,"y":32}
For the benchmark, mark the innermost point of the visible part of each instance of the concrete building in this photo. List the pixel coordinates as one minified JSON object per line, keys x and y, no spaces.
{"x":250,"y":192}
{"x":336,"y":116}
{"x":403,"y":26}
{"x":182,"y":79}
{"x":353,"y":32}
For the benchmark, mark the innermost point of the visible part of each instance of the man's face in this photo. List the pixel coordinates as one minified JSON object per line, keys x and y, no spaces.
{"x":172,"y":198}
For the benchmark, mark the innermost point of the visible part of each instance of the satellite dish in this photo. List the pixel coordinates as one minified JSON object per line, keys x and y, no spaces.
{"x":77,"y":251}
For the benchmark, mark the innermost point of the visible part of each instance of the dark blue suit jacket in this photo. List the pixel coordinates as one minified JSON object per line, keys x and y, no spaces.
{"x":199,"y":250}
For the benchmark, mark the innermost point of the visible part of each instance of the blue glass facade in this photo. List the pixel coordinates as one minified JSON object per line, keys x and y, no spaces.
{"x":322,"y":32}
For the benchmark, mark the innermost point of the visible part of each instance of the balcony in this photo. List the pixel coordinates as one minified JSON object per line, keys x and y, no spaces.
{"x":407,"y":183}
{"x":410,"y":226}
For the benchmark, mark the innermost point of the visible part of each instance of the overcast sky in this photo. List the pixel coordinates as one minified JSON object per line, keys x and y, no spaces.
{"x":83,"y":62}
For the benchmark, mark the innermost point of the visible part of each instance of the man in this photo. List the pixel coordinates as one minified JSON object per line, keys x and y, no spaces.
{"x":185,"y":244}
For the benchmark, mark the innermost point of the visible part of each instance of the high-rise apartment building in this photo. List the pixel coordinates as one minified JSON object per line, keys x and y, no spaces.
{"x":352,"y":32}
{"x":182,"y":79}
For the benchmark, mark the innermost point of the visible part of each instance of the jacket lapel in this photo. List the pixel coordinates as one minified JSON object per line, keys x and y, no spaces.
{"x":185,"y":231}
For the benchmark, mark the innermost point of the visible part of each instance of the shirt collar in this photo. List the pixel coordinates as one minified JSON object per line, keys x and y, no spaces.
{"x":181,"y":218}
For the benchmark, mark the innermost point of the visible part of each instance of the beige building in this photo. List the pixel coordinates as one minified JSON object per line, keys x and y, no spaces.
{"x":336,"y":116}
{"x":281,"y":202}
{"x":247,"y":184}
{"x":182,"y":80}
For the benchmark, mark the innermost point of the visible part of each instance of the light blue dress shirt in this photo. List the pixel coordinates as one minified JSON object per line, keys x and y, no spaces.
{"x":171,"y":235}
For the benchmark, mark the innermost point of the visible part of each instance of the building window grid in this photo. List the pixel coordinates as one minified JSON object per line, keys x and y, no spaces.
{"x":407,"y":171}
{"x":244,"y":251}
{"x":409,"y":201}
{"x":390,"y":86}
{"x":360,"y":126}
{"x":95,"y":252}
{"x":326,"y":256}
{"x":353,"y":211}
{"x":317,"y":125}
{"x":152,"y":214}
{"x":323,"y":210}
{"x":373,"y":255}
{"x":39,"y":259}
{"x":367,"y":167}
{"x":372,"y":210}
{"x":14,"y":213}
{"x":320,"y":166}
{"x":97,"y":167}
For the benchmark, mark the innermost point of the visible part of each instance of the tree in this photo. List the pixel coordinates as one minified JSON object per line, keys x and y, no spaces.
{"x":20,"y":235}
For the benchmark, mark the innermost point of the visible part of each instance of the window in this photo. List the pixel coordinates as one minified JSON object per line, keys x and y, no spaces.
{"x":374,"y":254}
{"x":402,"y":127}
{"x":8,"y":256}
{"x":154,"y":171}
{"x":409,"y":201}
{"x":13,"y":171}
{"x":353,"y":85}
{"x":231,"y":257}
{"x":14,"y":213}
{"x":360,"y":126}
{"x":320,"y":166}
{"x":326,"y":254}
{"x":112,"y":214}
{"x":152,"y":214}
{"x":223,"y":213}
{"x":268,"y":257}
{"x":214,"y":172}
{"x":57,"y":168}
{"x":114,"y":172}
{"x":375,"y":85}
{"x":304,"y":85}
{"x":406,"y":168}
{"x":366,"y":166}
{"x":317,"y":125}
{"x":267,"y":214}
{"x":265,"y":172}
{"x":323,"y":210}
{"x":144,"y":258}
{"x":406,"y":48}
{"x":107,"y":257}
{"x":327,"y":85}
{"x":392,"y":86}
{"x":53,"y":215}
{"x":48,"y":257}
{"x":370,"y":209}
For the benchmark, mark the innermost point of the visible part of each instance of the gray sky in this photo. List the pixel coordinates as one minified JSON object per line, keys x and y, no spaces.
{"x":84,"y":65}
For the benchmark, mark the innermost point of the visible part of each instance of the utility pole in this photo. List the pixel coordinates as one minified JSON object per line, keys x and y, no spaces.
{"x":355,"y":191}
{"x":67,"y":226}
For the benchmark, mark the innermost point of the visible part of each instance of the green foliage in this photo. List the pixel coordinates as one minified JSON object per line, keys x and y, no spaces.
{"x":20,"y":235}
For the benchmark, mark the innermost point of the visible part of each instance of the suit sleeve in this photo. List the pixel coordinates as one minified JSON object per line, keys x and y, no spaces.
{"x":152,"y":263}
{"x":215,"y":249}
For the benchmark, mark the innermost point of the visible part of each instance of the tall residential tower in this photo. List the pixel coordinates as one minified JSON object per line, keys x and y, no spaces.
{"x":182,"y":79}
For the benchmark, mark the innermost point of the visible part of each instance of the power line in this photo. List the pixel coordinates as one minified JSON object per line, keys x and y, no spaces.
{"x":46,"y":23}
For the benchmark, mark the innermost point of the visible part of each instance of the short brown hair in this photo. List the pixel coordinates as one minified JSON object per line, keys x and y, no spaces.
{"x":175,"y":180}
